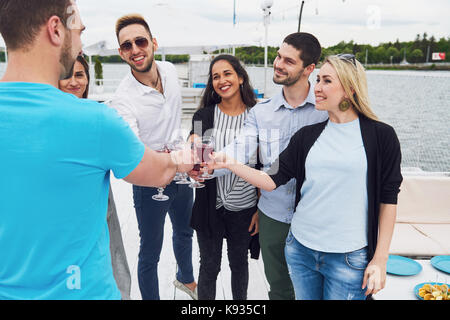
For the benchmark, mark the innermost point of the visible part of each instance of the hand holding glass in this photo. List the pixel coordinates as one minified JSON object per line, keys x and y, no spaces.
{"x":204,"y":148}
{"x":197,"y":148}
{"x":179,"y":144}
{"x":161,"y":196}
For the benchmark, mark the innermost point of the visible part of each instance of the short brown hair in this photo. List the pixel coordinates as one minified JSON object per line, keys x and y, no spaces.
{"x":307,"y":44}
{"x":21,"y":20}
{"x":129,"y":20}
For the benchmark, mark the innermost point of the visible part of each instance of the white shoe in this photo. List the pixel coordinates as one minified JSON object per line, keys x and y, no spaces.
{"x":182,"y":287}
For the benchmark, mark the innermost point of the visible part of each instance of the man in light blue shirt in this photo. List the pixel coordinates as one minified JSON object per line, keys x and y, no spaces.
{"x":269,"y":127}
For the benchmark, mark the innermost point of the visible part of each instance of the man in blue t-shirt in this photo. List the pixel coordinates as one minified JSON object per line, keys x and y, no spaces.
{"x":56,"y":153}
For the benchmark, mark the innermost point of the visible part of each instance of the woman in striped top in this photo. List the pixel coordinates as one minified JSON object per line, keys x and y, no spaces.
{"x":226,"y":207}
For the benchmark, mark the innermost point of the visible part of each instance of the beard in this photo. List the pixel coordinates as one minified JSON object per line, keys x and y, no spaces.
{"x":146,"y":69}
{"x":66,"y":60}
{"x":289,"y":80}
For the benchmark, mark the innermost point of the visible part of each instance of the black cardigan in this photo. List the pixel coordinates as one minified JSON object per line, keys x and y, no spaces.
{"x":383,"y":166}
{"x":204,"y":210}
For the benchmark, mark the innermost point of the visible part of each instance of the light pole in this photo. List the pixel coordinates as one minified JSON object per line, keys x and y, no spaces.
{"x":234,"y":14}
{"x":234,"y":24}
{"x":300,"y":16}
{"x":265,"y":6}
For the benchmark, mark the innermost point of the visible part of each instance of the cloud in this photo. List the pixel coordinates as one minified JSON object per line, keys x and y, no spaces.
{"x":210,"y":22}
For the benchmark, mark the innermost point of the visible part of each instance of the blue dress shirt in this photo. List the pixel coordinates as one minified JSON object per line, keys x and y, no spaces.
{"x":270,"y":125}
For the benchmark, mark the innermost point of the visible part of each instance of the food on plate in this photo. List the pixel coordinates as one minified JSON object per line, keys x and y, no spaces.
{"x":434,"y":292}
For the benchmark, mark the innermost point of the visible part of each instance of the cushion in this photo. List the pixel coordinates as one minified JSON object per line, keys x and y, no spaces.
{"x":409,"y":240}
{"x":424,"y":199}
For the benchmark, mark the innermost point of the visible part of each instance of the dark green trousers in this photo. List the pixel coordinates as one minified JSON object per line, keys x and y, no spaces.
{"x":272,"y":238}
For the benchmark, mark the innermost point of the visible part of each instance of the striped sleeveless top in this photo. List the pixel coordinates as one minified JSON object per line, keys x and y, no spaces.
{"x":233,"y":193}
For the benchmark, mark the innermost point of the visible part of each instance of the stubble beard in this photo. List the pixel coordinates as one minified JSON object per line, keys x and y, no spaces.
{"x":290,"y":80}
{"x":66,"y":60}
{"x":146,"y":69}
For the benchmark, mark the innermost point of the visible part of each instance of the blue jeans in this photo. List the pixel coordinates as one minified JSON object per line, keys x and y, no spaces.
{"x":325,"y":276}
{"x":151,"y":216}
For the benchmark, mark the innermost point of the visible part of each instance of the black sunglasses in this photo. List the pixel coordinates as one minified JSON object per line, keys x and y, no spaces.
{"x":347,"y":57}
{"x":142,"y":43}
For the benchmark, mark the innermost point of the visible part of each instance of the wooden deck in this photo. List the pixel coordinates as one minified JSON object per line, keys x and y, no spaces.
{"x":258,"y":287}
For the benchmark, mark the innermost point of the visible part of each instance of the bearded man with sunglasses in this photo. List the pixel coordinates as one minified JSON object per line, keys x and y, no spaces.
{"x":149,"y":99}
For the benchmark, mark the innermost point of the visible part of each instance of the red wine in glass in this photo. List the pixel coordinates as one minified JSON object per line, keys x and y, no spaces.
{"x":197,"y":149}
{"x":204,"y":152}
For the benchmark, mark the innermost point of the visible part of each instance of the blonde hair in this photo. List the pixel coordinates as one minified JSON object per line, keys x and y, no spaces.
{"x":352,"y":76}
{"x":129,"y":19}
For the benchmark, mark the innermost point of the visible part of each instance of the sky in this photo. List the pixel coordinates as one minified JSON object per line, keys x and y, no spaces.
{"x":210,"y":22}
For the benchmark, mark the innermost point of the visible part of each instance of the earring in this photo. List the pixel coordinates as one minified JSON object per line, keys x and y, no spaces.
{"x":345,"y":105}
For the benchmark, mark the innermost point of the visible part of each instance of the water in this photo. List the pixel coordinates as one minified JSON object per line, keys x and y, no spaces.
{"x":415,"y":103}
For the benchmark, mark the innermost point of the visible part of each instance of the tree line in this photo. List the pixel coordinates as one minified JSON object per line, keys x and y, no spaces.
{"x":417,"y":51}
{"x":180,"y":58}
{"x":385,"y":53}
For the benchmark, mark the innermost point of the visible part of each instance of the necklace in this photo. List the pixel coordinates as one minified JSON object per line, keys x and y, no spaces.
{"x":157,"y":80}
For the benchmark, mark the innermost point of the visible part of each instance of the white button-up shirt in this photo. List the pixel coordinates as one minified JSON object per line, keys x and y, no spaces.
{"x":154,"y":117}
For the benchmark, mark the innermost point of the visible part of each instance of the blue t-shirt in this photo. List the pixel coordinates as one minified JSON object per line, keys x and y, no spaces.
{"x":332,"y":213}
{"x":56,"y":153}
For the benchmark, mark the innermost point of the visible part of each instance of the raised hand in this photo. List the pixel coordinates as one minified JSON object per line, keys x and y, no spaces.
{"x":219,"y":160}
{"x":184,"y":158}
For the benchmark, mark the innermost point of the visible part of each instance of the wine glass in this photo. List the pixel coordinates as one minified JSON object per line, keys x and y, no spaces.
{"x":180,"y":178}
{"x":206,"y":148}
{"x":196,"y":145}
{"x":184,"y":179}
{"x":195,"y":184}
{"x":171,"y":147}
{"x":161,"y":196}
